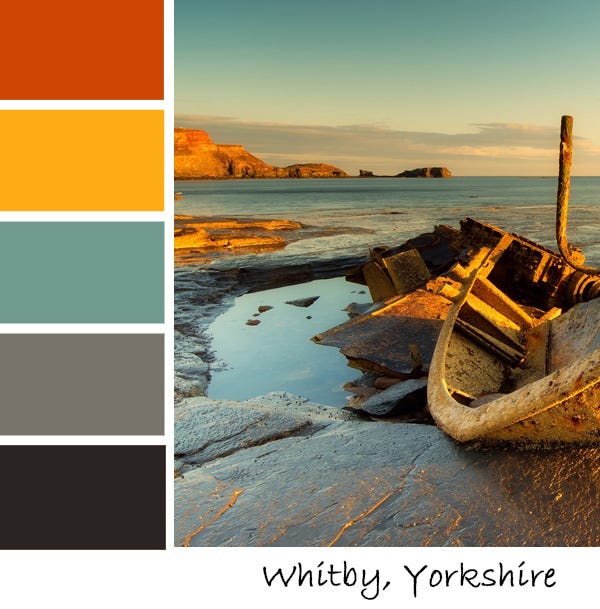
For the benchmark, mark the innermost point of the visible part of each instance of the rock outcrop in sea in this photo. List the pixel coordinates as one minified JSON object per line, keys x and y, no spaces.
{"x":421,"y":172}
{"x":198,"y":157}
{"x":426,"y":172}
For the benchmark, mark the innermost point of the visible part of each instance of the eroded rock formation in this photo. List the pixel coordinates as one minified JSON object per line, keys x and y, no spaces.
{"x":426,"y":172}
{"x":199,"y":233}
{"x":422,"y":172}
{"x":313,"y":170}
{"x":198,"y":157}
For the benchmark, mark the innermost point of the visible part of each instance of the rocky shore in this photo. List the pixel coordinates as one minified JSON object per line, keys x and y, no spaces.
{"x":278,"y":470}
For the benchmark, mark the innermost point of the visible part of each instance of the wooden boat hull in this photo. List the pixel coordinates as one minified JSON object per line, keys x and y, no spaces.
{"x":557,"y":397}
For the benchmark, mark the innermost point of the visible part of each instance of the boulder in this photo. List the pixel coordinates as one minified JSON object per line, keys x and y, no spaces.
{"x":410,"y":394}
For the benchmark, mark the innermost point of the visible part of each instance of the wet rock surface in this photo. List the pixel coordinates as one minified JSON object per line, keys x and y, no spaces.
{"x":206,"y":429}
{"x":280,"y":471}
{"x":400,"y":396}
{"x":325,"y":481}
{"x":303,"y":302}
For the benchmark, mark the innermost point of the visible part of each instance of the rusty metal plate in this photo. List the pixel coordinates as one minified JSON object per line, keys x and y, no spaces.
{"x":384,"y":341}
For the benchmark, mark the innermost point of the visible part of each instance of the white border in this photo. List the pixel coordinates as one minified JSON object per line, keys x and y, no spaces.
{"x":224,"y":576}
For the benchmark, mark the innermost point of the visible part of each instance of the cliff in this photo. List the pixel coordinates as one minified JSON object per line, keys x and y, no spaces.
{"x":198,"y":157}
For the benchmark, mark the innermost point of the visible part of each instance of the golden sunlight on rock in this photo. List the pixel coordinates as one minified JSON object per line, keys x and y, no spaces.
{"x":196,"y":233}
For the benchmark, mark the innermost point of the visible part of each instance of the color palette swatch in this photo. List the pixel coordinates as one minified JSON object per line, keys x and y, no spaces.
{"x":82,"y":272}
{"x":82,"y":160}
{"x":82,"y":497}
{"x":82,"y":312}
{"x":80,"y":384}
{"x":68,"y":50}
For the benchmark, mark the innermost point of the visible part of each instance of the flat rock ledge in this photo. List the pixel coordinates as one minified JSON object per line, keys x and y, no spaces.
{"x":206,"y":429}
{"x":281,"y":471}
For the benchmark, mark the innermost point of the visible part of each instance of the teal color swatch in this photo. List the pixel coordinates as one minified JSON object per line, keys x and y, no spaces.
{"x":82,"y":272}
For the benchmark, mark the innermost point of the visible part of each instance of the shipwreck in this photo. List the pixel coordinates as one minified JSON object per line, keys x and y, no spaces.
{"x":499,"y":334}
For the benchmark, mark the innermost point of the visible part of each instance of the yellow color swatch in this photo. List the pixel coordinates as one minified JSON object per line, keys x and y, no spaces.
{"x":81,"y":160}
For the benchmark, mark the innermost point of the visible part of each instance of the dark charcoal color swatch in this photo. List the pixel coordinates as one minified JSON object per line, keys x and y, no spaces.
{"x":82,"y":497}
{"x":82,"y":384}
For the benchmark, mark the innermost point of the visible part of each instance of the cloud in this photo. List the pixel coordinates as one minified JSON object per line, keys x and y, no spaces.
{"x":488,"y":149}
{"x":514,"y":152}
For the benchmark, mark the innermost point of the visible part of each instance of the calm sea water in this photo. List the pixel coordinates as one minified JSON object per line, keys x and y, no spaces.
{"x":388,"y":210}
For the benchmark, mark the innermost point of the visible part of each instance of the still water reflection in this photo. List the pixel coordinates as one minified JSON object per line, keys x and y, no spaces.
{"x":277,"y":354}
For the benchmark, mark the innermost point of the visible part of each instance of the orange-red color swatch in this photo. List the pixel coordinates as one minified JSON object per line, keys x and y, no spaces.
{"x":71,"y":49}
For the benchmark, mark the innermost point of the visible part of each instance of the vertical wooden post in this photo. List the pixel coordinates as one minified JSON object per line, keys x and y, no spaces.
{"x":564,"y":184}
{"x":562,"y":196}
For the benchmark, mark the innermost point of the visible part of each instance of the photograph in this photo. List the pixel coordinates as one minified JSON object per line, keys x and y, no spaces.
{"x":386,"y":274}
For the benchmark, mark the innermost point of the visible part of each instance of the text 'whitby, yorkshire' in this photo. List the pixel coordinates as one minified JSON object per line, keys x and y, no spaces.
{"x":371,"y":583}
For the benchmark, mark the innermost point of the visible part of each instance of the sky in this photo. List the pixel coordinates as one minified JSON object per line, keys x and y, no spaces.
{"x":388,"y":85}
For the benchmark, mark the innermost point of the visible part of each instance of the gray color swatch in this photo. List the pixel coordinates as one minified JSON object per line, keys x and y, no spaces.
{"x":81,"y":384}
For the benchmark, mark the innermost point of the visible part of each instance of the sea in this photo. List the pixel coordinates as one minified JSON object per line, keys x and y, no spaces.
{"x":355,"y":214}
{"x":390,"y":210}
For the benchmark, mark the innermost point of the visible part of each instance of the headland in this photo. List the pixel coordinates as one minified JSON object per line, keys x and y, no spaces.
{"x":197,"y":157}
